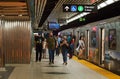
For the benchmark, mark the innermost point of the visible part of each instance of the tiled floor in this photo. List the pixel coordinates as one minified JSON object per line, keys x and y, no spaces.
{"x":43,"y":70}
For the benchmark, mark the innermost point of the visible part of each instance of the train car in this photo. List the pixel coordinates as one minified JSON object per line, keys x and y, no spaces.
{"x":102,"y":42}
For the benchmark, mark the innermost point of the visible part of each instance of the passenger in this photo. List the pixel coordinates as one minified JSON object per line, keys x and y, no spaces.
{"x":39,"y":48}
{"x":51,"y":47}
{"x":64,"y":46}
{"x":71,"y":48}
{"x":44,"y":48}
{"x":69,"y":38}
{"x":58,"y":45}
{"x":81,"y":47}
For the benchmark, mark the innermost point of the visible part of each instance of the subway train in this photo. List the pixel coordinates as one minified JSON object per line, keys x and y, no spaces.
{"x":102,"y":41}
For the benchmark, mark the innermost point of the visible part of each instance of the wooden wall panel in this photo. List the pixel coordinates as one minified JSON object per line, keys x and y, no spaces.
{"x":17,"y":41}
{"x":1,"y":47}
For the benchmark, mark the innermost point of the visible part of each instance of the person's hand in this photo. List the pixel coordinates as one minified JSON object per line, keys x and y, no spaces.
{"x":65,"y":42}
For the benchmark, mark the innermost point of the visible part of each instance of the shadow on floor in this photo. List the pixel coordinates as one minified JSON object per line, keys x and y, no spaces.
{"x":6,"y":74}
{"x":56,"y":73}
{"x":52,"y":66}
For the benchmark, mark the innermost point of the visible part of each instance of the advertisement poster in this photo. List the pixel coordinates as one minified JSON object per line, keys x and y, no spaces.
{"x":94,"y":55}
{"x":112,"y":60}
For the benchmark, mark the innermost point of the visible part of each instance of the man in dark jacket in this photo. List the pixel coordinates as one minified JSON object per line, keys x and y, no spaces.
{"x":39,"y":48}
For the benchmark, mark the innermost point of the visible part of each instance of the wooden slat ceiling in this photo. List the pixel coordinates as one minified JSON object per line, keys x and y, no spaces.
{"x":11,"y":8}
{"x":39,"y":8}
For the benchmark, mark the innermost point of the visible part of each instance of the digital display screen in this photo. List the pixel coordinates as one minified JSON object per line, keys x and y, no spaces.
{"x":53,"y":26}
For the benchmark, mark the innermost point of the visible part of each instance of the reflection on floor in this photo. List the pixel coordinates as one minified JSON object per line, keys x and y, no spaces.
{"x":42,"y":70}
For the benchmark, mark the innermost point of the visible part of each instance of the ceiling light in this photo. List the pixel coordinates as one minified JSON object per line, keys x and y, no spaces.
{"x":20,"y":15}
{"x":116,"y":0}
{"x":98,"y":7}
{"x":2,"y":15}
{"x":109,"y":1}
{"x":102,"y":5}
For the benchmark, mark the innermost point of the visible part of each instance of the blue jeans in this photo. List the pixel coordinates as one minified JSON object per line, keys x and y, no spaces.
{"x":64,"y":54}
{"x":57,"y":51}
{"x":51,"y":55}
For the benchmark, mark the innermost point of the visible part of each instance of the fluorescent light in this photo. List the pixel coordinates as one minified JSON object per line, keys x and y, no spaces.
{"x":116,"y":0}
{"x":77,"y":17}
{"x":99,"y":7}
{"x":2,"y":15}
{"x":20,"y":15}
{"x":109,"y":1}
{"x":102,"y":5}
{"x":74,"y":18}
{"x":85,"y":13}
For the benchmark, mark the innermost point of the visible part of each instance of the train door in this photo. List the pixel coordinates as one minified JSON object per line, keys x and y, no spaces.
{"x":77,"y":40}
{"x":87,"y":43}
{"x":102,"y":45}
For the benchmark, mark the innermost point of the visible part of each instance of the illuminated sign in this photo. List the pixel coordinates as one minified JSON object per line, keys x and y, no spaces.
{"x":73,"y":8}
{"x":82,"y":19}
{"x":79,"y":8}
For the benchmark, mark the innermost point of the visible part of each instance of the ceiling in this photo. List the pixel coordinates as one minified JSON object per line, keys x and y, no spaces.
{"x":39,"y":6}
{"x":14,"y":9}
{"x":57,"y":13}
{"x":40,"y":12}
{"x":104,"y":13}
{"x":50,"y":4}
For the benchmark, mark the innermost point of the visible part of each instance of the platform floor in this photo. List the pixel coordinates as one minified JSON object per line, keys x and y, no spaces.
{"x":42,"y":70}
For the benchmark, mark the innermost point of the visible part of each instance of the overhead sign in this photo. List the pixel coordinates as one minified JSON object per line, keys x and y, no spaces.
{"x":67,"y":8}
{"x":73,"y":8}
{"x":82,"y":19}
{"x":79,"y":8}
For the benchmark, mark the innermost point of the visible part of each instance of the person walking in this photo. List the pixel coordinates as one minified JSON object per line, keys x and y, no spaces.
{"x":64,"y":46}
{"x":39,"y":48}
{"x":58,"y":45}
{"x":51,"y":47}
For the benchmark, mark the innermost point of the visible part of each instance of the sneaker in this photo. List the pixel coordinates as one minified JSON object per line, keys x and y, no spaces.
{"x":52,"y":62}
{"x":65,"y":63}
{"x":49,"y":62}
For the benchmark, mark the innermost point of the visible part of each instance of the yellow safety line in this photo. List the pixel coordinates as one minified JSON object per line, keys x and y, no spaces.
{"x":98,"y":69}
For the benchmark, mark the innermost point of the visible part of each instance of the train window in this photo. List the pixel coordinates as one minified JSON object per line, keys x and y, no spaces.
{"x":112,"y":39}
{"x":93,"y":38}
{"x":82,"y":34}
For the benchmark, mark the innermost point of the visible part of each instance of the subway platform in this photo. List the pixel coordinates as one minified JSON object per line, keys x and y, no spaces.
{"x":75,"y":69}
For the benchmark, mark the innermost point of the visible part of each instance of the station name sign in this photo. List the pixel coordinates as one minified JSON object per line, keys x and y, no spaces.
{"x":79,"y":8}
